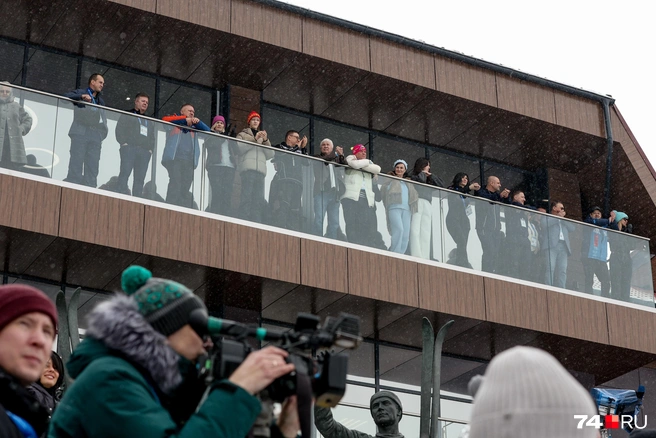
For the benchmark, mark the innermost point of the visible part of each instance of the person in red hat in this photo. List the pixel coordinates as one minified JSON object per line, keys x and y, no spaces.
{"x":28,"y":324}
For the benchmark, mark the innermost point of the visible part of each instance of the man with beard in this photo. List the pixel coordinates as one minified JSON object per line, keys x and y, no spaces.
{"x":386,"y":410}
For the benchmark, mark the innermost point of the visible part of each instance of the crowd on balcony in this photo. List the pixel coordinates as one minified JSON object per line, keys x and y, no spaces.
{"x":533,"y":246}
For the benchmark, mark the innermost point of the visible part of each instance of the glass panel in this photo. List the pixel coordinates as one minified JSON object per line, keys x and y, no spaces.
{"x":11,"y":66}
{"x":51,"y":72}
{"x":276,"y":123}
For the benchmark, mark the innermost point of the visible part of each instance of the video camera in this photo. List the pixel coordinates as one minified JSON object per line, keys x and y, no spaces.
{"x":323,"y":378}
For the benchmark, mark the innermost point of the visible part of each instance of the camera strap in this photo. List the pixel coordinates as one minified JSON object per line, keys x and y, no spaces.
{"x":304,"y":396}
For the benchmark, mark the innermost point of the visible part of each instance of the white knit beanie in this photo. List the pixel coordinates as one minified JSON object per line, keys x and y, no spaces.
{"x":527,"y":393}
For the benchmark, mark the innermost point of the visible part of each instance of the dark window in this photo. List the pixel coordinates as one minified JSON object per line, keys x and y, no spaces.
{"x":341,"y":136}
{"x":51,"y":72}
{"x":387,"y":151}
{"x":121,"y":86}
{"x":11,"y":66}
{"x":276,"y":123}
{"x":446,"y":166}
{"x":173,"y":96}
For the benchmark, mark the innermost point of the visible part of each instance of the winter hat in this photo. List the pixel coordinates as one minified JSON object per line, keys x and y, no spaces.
{"x":595,"y":208}
{"x":388,"y":394}
{"x":165,"y":304}
{"x":359,"y":148}
{"x":218,"y":118}
{"x":18,"y":299}
{"x":526,"y":392}
{"x":402,"y":162}
{"x":475,"y":384}
{"x":619,"y":216}
{"x":251,"y":115}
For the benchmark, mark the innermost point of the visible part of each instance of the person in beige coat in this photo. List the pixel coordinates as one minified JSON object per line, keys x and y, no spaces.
{"x":252,"y":168}
{"x":358,"y":200}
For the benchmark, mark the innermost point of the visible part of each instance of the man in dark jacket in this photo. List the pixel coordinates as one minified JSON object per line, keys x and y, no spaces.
{"x":135,"y":371}
{"x":15,"y":123}
{"x":557,"y":245}
{"x":518,"y":244}
{"x":181,"y":155}
{"x":136,"y":139}
{"x":287,"y":183}
{"x":488,"y":222}
{"x":594,"y":250}
{"x":87,"y":132}
{"x":327,"y":186}
{"x":28,"y":322}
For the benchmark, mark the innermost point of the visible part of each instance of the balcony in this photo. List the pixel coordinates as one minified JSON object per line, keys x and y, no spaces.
{"x":449,"y":216}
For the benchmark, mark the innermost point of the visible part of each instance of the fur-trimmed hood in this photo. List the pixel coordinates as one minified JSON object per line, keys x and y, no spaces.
{"x":117,"y":328}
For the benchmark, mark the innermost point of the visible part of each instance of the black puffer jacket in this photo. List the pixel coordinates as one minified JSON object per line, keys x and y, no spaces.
{"x":14,"y":398}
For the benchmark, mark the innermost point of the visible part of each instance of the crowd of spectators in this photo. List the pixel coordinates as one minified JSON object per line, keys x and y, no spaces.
{"x":522,"y":241}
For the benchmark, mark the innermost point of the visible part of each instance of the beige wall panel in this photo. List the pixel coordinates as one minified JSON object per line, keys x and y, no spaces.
{"x":580,"y":114}
{"x":209,"y":13}
{"x":465,"y":81}
{"x":102,"y":220}
{"x":29,"y":205}
{"x":266,"y":24}
{"x":403,"y":63}
{"x":577,"y":317}
{"x":382,"y":278}
{"x":631,"y":328}
{"x":146,"y":5}
{"x":453,"y":292}
{"x":182,"y":236}
{"x":335,"y":44}
{"x":516,"y":305}
{"x":526,"y":98}
{"x":323,"y":266}
{"x":262,"y":253}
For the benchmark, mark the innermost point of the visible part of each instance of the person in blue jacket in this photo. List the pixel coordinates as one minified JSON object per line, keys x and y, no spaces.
{"x":181,"y":155}
{"x":594,"y":250}
{"x":87,"y":132}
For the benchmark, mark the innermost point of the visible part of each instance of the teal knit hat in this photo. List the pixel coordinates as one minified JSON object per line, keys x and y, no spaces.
{"x":165,"y":304}
{"x":619,"y":216}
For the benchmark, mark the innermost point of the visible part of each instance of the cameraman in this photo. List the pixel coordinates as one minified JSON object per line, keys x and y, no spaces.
{"x":135,"y":375}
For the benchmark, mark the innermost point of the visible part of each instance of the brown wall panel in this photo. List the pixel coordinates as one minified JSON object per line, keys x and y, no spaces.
{"x":580,"y":114}
{"x":29,"y":205}
{"x":453,"y":292}
{"x":323,"y":265}
{"x":631,"y":328}
{"x":183,"y":236}
{"x":146,"y":5}
{"x":266,"y":24}
{"x":466,"y":81}
{"x":209,"y":13}
{"x":102,"y":220}
{"x":526,"y":98}
{"x":336,"y":44}
{"x":516,"y":305}
{"x":403,"y":63}
{"x":382,"y":278}
{"x":577,"y":317}
{"x":262,"y":253}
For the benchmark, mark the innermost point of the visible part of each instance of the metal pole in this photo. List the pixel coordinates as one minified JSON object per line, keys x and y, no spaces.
{"x":609,"y":155}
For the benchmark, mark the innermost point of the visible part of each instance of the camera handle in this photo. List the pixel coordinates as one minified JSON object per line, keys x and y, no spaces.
{"x":304,"y":396}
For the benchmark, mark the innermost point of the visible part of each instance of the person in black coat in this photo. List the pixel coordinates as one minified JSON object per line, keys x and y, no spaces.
{"x":488,"y":222}
{"x":221,"y":162}
{"x":136,"y":138}
{"x":46,"y":390}
{"x":457,"y":220}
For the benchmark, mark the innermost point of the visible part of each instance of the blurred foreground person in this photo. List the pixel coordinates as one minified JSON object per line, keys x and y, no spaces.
{"x":28,"y":322}
{"x":135,"y":374}
{"x":526,"y":393}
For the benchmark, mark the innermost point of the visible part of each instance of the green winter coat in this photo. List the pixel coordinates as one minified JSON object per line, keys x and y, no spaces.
{"x":111,"y":397}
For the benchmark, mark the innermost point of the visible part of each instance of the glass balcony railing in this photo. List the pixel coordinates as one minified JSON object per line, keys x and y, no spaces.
{"x":265,"y":185}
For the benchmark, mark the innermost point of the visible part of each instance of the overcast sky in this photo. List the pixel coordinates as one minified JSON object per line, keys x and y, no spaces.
{"x":601,"y":46}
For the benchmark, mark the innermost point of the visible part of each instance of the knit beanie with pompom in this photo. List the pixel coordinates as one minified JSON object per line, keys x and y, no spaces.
{"x":165,"y":304}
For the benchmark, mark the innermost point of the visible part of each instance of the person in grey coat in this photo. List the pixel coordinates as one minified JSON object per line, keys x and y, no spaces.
{"x":556,"y":243}
{"x":15,"y":123}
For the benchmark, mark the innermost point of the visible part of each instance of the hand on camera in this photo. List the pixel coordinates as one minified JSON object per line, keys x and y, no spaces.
{"x":260,"y":368}
{"x":289,"y":422}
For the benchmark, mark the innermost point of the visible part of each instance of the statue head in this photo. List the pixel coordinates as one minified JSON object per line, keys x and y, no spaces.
{"x":386,"y":409}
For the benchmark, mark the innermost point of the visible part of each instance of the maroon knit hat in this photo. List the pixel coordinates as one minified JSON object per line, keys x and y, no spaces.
{"x":19,"y":299}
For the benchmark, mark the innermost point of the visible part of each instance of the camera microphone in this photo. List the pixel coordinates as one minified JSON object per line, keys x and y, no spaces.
{"x":209,"y":325}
